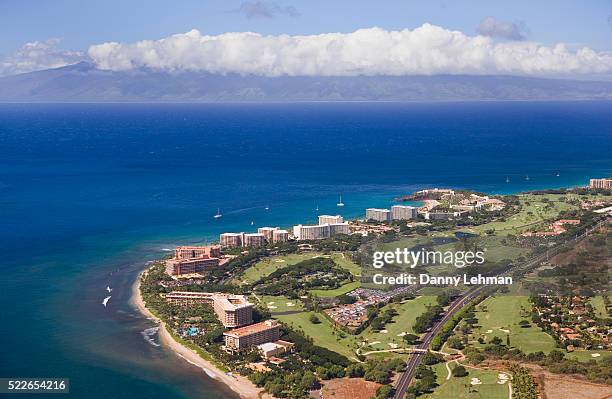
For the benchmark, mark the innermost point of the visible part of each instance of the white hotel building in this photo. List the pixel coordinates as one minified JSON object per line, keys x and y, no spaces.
{"x":328,"y":219}
{"x":403,"y":212}
{"x":320,"y":231}
{"x":380,"y":215}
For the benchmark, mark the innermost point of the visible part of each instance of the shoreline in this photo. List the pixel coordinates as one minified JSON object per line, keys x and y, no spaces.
{"x":237,"y":383}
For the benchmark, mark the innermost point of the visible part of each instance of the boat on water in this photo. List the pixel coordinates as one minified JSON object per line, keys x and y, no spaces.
{"x":109,"y":289}
{"x":267,"y":208}
{"x":507,"y":179}
{"x":558,"y":174}
{"x":218,"y":214}
{"x":105,"y":301}
{"x":252,"y":222}
{"x":527,"y":177}
{"x":340,"y":203}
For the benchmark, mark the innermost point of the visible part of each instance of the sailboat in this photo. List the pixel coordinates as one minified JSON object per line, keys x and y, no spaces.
{"x":267,"y":208}
{"x":527,"y":177}
{"x":340,"y":203}
{"x":558,"y":174}
{"x":317,"y":208}
{"x":507,"y":179}
{"x":252,"y":222}
{"x":218,"y":215}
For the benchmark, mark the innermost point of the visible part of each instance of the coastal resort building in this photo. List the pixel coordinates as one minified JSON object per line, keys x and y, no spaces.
{"x":231,"y":310}
{"x":274,"y":349}
{"x":268,"y":232}
{"x":379,"y":215}
{"x":328,"y":219}
{"x":255,"y":334}
{"x":403,"y":212}
{"x":320,"y":231}
{"x":253,"y":240}
{"x":191,"y":252}
{"x":280,"y":235}
{"x":605,"y":184}
{"x":231,"y":240}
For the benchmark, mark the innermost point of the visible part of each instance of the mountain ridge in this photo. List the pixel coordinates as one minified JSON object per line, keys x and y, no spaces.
{"x":83,"y":82}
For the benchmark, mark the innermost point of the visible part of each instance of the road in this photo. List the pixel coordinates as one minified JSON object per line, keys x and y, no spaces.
{"x":415,"y":358}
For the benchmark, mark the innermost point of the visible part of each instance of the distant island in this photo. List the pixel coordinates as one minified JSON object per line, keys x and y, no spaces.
{"x":83,"y":82}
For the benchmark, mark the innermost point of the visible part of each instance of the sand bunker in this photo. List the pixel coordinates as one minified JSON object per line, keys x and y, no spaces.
{"x":392,"y":345}
{"x":595,"y":355}
{"x":272,"y":307}
{"x":502,"y":378}
{"x":475,"y":381}
{"x":401,"y":334}
{"x":383,"y":331}
{"x":290,"y":304}
{"x":489,"y":331}
{"x":375,"y":342}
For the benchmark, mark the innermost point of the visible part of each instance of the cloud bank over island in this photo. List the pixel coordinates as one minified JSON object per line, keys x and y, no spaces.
{"x":426,"y":50}
{"x":37,"y":55}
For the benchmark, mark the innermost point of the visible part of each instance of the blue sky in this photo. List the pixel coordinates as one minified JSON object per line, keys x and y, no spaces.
{"x":82,"y":23}
{"x":558,"y":38}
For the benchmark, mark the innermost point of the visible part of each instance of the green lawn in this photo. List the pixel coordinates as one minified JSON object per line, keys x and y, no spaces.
{"x":504,"y":313}
{"x":348,"y":287}
{"x":323,"y":334}
{"x":599,"y":306}
{"x":585,"y":356}
{"x":533,"y":212}
{"x":461,"y":388}
{"x":267,"y":266}
{"x":402,"y":323}
{"x":276,"y":304}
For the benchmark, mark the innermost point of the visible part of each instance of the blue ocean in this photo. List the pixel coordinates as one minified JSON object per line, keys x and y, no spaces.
{"x":90,"y":192}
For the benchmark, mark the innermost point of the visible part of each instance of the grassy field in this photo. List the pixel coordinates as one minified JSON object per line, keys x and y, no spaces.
{"x":402,"y":323}
{"x":323,"y":334}
{"x":534,"y":211}
{"x":348,"y":287}
{"x":267,"y":266}
{"x":461,"y":388}
{"x":599,"y":306}
{"x":501,"y":318}
{"x":585,"y":356}
{"x":276,"y":304}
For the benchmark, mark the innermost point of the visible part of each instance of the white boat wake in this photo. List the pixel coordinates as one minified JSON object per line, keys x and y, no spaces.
{"x":105,"y":301}
{"x":109,"y":289}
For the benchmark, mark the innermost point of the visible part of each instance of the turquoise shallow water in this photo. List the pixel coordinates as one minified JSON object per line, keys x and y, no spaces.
{"x":89,"y":193}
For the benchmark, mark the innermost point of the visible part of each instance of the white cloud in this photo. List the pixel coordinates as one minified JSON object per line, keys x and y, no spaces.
{"x":425,"y":50}
{"x":494,"y":28}
{"x":265,"y":9}
{"x":34,"y":56}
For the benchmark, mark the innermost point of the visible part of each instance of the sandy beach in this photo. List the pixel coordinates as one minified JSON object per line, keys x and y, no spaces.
{"x":241,"y":385}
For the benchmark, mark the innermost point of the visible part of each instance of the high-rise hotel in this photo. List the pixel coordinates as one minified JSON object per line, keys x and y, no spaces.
{"x":320,"y":231}
{"x":605,"y":184}
{"x":232,"y":310}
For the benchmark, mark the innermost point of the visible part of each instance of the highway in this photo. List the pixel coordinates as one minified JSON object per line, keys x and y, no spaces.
{"x":415,"y":358}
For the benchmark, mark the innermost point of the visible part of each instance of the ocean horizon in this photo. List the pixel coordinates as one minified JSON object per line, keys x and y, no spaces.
{"x":90,"y":193}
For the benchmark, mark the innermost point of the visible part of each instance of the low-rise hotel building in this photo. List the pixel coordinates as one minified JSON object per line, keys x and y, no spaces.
{"x":320,"y":231}
{"x":605,"y":184}
{"x":328,"y":219}
{"x":252,"y":335}
{"x":403,"y":212}
{"x":380,"y":215}
{"x":231,"y":310}
{"x":274,"y":349}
